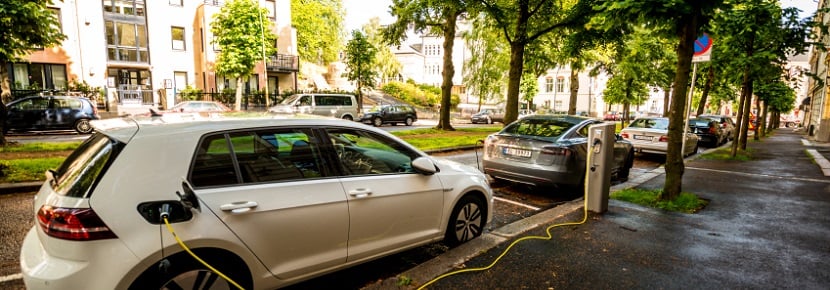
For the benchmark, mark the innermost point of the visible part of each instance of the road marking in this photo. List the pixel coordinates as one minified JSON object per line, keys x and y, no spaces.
{"x":516,"y":203}
{"x":13,"y":277}
{"x":762,"y":175}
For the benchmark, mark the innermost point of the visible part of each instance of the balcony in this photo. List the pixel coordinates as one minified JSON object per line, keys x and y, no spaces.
{"x":283,"y":63}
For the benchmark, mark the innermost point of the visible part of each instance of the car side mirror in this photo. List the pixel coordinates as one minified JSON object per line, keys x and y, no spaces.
{"x":424,"y":165}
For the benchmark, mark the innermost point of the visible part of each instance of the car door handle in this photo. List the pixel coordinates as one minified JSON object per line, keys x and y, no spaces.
{"x":360,"y":192}
{"x":239,"y":206}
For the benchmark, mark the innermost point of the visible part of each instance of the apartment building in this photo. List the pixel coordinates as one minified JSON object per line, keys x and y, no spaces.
{"x":144,"y":52}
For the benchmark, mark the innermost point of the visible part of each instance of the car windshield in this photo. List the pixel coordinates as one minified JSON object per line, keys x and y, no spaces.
{"x":80,"y":171}
{"x":661,"y":124}
{"x":699,"y":122}
{"x":290,"y":99}
{"x":538,"y":128}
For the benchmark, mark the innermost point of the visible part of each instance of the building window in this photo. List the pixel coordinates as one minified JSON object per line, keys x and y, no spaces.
{"x":126,"y":42}
{"x":560,"y":84}
{"x":271,"y":5}
{"x":38,"y":76}
{"x":557,"y":105}
{"x":548,"y":84}
{"x":177,"y":36}
{"x":126,"y":7}
{"x":177,"y":2}
{"x":251,"y":83}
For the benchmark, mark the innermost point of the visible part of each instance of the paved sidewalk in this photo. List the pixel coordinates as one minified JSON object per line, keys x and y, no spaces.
{"x":766,"y":226}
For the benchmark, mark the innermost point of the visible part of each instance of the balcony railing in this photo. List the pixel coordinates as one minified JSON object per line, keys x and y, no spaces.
{"x":283,"y":63}
{"x":214,"y":2}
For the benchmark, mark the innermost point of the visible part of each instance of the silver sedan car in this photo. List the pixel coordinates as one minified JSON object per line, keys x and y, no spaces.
{"x":651,"y":135}
{"x":544,"y":150}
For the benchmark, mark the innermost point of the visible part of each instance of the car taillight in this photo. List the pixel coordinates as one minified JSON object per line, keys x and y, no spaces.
{"x":76,"y":224}
{"x":713,"y":130}
{"x":561,"y":151}
{"x":664,"y":138}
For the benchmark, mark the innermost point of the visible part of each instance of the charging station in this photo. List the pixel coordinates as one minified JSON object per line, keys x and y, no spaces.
{"x":600,"y":158}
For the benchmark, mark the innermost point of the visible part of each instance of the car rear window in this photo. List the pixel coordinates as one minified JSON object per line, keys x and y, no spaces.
{"x":661,"y":124}
{"x":543,"y":128}
{"x":78,"y":174}
{"x":699,"y":123}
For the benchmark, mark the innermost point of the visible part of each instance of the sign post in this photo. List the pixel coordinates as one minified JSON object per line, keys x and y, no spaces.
{"x":703,"y":53}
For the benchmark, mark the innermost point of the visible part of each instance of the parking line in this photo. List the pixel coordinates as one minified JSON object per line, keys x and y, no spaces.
{"x":516,"y":203}
{"x":12,"y":277}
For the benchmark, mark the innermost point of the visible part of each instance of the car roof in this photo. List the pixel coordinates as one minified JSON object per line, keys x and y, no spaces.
{"x":567,"y":118}
{"x":194,"y":125}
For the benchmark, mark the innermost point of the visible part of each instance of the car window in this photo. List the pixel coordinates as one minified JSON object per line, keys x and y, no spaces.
{"x":661,"y":124}
{"x":34,"y":104}
{"x":78,"y":173}
{"x":262,"y":156}
{"x":68,"y":104}
{"x":544,"y":128}
{"x":365,"y":153}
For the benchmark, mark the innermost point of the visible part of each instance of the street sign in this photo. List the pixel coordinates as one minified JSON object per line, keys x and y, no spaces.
{"x":703,"y":48}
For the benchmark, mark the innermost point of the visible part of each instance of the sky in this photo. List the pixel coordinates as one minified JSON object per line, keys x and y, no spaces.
{"x":358,"y":12}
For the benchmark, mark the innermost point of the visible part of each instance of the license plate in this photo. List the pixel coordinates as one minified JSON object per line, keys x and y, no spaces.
{"x":515,"y":152}
{"x":642,"y":137}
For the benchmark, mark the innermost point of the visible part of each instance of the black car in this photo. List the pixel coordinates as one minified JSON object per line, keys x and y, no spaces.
{"x":51,"y":113}
{"x":390,"y":114}
{"x":709,"y":131}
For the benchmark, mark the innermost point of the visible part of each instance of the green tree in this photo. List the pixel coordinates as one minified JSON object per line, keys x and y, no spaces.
{"x":319,"y":25}
{"x":24,"y":26}
{"x":486,"y":68}
{"x":242,"y":37}
{"x":682,"y":19}
{"x":360,"y":61}
{"x":436,"y":17}
{"x":751,"y":36}
{"x":389,"y":68}
{"x":522,"y":22}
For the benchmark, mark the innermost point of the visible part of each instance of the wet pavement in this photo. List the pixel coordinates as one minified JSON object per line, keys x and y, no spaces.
{"x":767,"y":225}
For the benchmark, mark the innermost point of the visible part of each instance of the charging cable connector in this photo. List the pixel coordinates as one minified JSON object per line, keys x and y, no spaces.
{"x":164,"y":211}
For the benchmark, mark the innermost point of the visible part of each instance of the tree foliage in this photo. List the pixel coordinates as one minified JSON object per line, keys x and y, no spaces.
{"x":319,"y":25}
{"x":25,"y":25}
{"x":388,"y":66}
{"x":242,"y":32}
{"x":360,"y":61}
{"x":486,"y":68}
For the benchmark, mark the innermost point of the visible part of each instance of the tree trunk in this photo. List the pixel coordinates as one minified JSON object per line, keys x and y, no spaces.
{"x":739,"y":123}
{"x":237,"y":103}
{"x":447,"y":73}
{"x":747,"y":117}
{"x":759,"y":120}
{"x":511,"y":110}
{"x":574,"y":91}
{"x":5,"y":96}
{"x":710,"y":76}
{"x":674,"y":155}
{"x":763,"y":122}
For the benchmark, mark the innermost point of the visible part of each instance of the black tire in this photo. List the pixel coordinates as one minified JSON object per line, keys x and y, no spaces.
{"x":467,"y":221}
{"x":626,"y":168}
{"x":347,"y":117}
{"x":83,"y":126}
{"x":408,"y":121}
{"x":377,"y":122}
{"x":185,"y":272}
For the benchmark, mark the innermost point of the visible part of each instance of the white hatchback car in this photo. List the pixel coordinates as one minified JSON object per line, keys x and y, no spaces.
{"x":267,"y":202}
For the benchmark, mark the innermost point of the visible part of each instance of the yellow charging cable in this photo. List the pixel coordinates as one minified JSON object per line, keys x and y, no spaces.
{"x":547,"y":230}
{"x":170,"y":228}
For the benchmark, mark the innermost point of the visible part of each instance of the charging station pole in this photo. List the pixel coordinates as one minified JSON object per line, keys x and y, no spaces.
{"x":600,"y":157}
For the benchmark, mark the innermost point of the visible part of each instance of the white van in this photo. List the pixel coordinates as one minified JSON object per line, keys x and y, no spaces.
{"x":342,"y":106}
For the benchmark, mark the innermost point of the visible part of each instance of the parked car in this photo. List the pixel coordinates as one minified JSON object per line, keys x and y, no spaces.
{"x":343,"y":106}
{"x":488,"y":116}
{"x":726,"y":123}
{"x":612,"y":116}
{"x":267,"y":202}
{"x":50,"y":113}
{"x":651,"y":135}
{"x":390,"y":114}
{"x":199,"y":106}
{"x":544,"y":150}
{"x":708,"y":131}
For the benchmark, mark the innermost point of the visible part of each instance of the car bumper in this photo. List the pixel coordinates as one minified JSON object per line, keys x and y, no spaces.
{"x":103,"y":268}
{"x":649,"y":147}
{"x":532,"y":174}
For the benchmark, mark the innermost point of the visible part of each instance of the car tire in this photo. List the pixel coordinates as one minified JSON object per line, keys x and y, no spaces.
{"x":626,"y":168}
{"x":347,"y":117}
{"x":184,"y":272}
{"x":83,"y":126}
{"x":377,"y":122}
{"x":467,"y":220}
{"x":408,"y":121}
